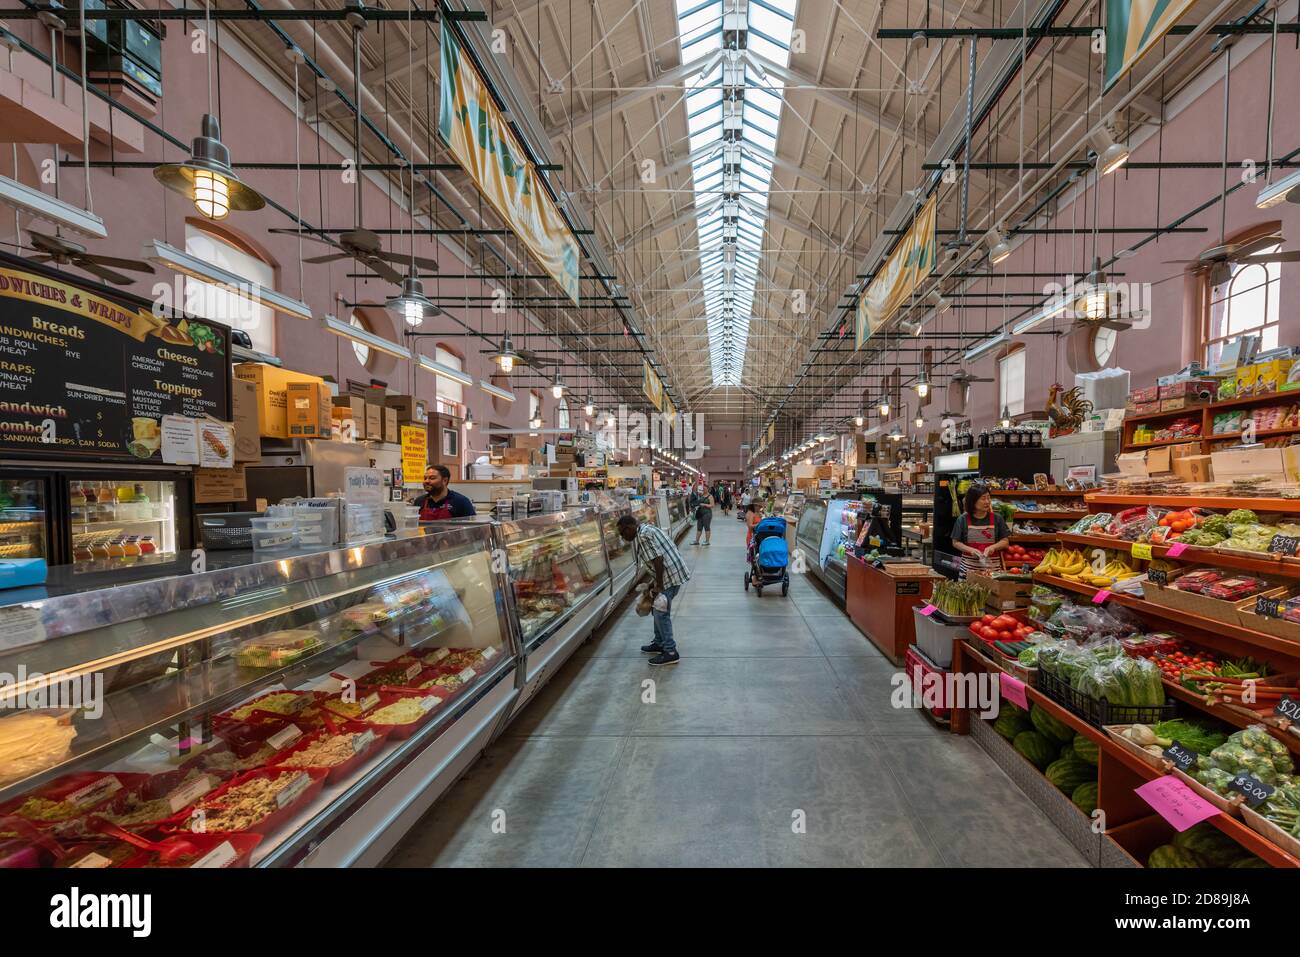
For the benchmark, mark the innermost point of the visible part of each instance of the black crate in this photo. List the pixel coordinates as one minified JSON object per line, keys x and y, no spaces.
{"x":1099,"y":712}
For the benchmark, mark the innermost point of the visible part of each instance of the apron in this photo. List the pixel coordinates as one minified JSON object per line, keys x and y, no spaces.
{"x":981,"y":538}
{"x":432,"y":513}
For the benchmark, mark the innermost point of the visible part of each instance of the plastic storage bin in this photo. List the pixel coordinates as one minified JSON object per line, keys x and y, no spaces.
{"x":919,"y":668}
{"x":935,"y":637}
{"x":273,"y":534}
{"x":316,"y":527}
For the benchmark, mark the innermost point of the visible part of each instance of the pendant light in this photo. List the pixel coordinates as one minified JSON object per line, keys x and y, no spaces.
{"x":858,"y":420}
{"x":1110,"y":154}
{"x":557,"y":387}
{"x":922,"y":384}
{"x":920,"y":421}
{"x":1006,"y":417}
{"x":505,"y":356}
{"x":999,"y":248}
{"x":469,"y":421}
{"x":411,"y":305}
{"x":884,"y":407}
{"x":589,"y":406}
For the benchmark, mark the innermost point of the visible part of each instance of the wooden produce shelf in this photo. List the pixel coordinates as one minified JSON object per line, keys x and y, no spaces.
{"x":1045,"y":538}
{"x":1291,"y":505}
{"x":1268,"y":398}
{"x":1051,"y":516}
{"x":1265,"y":564}
{"x":1139,"y":446}
{"x":1221,"y":436}
{"x":1033,"y":493}
{"x":1238,"y":830}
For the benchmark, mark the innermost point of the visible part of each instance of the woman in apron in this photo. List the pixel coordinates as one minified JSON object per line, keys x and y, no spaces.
{"x":979,"y":533}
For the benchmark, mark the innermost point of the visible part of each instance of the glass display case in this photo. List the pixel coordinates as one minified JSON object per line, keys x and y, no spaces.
{"x":24,"y":524}
{"x":267,"y":713}
{"x":115,"y":523}
{"x":808,"y":534}
{"x":678,"y":519}
{"x":618,"y":551}
{"x":557,"y":564}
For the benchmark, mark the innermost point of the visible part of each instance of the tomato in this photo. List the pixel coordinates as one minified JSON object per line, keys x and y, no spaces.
{"x":1004,"y":635}
{"x":989,"y":634}
{"x":986,"y":620}
{"x":1004,"y":622}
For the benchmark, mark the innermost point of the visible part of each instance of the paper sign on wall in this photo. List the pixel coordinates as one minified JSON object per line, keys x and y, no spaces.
{"x":180,"y":440}
{"x":415,"y":453}
{"x":216,"y":445}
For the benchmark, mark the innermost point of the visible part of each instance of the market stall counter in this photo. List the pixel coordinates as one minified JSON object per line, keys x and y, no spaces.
{"x":880,"y":599}
{"x":303,"y":711}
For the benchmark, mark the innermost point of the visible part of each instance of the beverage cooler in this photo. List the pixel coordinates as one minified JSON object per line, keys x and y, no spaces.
{"x":99,"y":521}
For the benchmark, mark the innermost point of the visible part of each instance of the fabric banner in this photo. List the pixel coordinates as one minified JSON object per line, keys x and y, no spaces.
{"x":1133,"y":27}
{"x":910,"y":262}
{"x":652,"y":387}
{"x":481,"y":140}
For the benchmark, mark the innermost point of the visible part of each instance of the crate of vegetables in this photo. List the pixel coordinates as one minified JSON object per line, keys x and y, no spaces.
{"x":1004,"y":628}
{"x":1020,"y":560}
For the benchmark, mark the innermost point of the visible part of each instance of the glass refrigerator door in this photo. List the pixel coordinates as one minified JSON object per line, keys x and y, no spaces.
{"x":555,"y":562}
{"x":616,"y":547}
{"x":117,"y":523}
{"x":24,"y":518}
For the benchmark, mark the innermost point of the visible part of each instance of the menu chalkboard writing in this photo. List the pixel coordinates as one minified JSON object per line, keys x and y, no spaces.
{"x":90,"y":374}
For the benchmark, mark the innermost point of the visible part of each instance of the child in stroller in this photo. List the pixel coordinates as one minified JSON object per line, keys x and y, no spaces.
{"x":769,"y":557}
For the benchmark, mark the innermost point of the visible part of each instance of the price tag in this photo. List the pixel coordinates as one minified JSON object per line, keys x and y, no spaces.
{"x":414,"y":669}
{"x":1284,"y":545}
{"x":300,"y":702}
{"x":1268,"y":607}
{"x":284,"y":737}
{"x":92,"y":860}
{"x":1141,"y":550}
{"x":1013,"y":689}
{"x":1176,"y":802}
{"x":467,"y":675}
{"x":1254,"y":791}
{"x":362,"y":741}
{"x":223,"y":855}
{"x":1184,"y":759}
{"x":440,"y":654}
{"x":95,"y":792}
{"x":1158,"y":575}
{"x":294,"y":790}
{"x":489,"y":653}
{"x":928,"y":610}
{"x":430,"y":702}
{"x":1288,"y":707}
{"x":369,"y":701}
{"x":1176,"y":549}
{"x":187,"y":794}
{"x":1100,"y":597}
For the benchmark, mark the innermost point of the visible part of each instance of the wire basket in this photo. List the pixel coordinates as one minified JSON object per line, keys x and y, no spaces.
{"x":1099,"y":712}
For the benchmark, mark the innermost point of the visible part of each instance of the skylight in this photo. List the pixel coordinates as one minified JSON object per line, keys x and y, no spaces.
{"x":732,"y":125}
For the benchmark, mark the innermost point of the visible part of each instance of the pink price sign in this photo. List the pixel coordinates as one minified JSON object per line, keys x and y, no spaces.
{"x":1176,"y":802}
{"x":1100,"y":597}
{"x":1176,"y":549}
{"x":1013,"y":689}
{"x":928,"y":610}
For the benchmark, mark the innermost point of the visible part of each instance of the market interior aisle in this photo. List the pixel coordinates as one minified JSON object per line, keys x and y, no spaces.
{"x":778,"y":713}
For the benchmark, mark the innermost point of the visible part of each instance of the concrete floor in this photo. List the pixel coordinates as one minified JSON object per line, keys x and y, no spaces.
{"x":772,"y":744}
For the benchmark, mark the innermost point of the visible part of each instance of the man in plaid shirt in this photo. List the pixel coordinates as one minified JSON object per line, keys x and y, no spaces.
{"x":656,"y":553}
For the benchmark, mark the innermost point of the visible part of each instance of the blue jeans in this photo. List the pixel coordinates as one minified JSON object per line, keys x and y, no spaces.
{"x":664,"y":622}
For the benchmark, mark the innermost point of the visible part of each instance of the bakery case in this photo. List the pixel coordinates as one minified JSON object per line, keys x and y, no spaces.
{"x":305,"y":711}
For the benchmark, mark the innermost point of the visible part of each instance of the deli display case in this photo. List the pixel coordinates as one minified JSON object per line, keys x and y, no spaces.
{"x":622,"y":562}
{"x":304,"y":711}
{"x":25,"y":529}
{"x":678,"y":518}
{"x":560,"y":585}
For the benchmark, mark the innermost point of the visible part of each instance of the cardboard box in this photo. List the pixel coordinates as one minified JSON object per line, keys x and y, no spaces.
{"x":354,"y":409}
{"x":1243,"y":463}
{"x":1202,"y":389}
{"x":1245,"y":381}
{"x":1178,"y":403}
{"x":308,"y":410}
{"x":220,"y":485}
{"x":375,"y":421}
{"x":409,"y":409}
{"x":1148,"y":394}
{"x":391,"y":433}
{"x":272,"y":402}
{"x":1145,"y":408}
{"x":1005,"y":595}
{"x":824,"y":472}
{"x":1146,"y":462}
{"x":243,"y":407}
{"x":1194,"y":468}
{"x":525,"y":441}
{"x":1271,"y":376}
{"x":516,"y":456}
{"x":1183,"y":450}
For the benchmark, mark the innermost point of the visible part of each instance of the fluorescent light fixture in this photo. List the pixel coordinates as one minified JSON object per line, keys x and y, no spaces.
{"x":492,"y":390}
{"x":1053,"y":308}
{"x":46,"y":208}
{"x":159,"y":252}
{"x":364,"y":336}
{"x":988,"y":345}
{"x":1285,"y":190}
{"x":446,"y":371}
{"x":999,"y":248}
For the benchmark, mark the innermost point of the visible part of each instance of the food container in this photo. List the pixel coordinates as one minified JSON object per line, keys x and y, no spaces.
{"x":79,"y":793}
{"x":295,"y":704}
{"x":274,"y":819}
{"x":429,"y":702}
{"x":275,"y":534}
{"x":278,"y":648}
{"x":336,"y":772}
{"x":1228,"y":805}
{"x":214,"y":850}
{"x":1099,"y":712}
{"x":1262,"y":825}
{"x":1116,"y":733}
{"x":407,"y":517}
{"x":935,"y":637}
{"x":404,"y":672}
{"x":316,"y":527}
{"x":920,"y":667}
{"x":158,"y":787}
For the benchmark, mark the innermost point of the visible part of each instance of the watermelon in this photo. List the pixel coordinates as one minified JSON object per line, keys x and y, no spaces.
{"x":1068,"y":773}
{"x":1251,"y":861}
{"x":1067,"y":751}
{"x":1049,"y":726}
{"x":1086,"y":748}
{"x":1011,"y":723}
{"x":1085,"y":797}
{"x":1034,"y":748}
{"x":1168,"y":856}
{"x":1209,"y":844}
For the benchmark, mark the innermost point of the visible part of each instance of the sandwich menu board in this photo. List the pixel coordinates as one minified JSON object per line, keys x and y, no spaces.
{"x":89,"y":372}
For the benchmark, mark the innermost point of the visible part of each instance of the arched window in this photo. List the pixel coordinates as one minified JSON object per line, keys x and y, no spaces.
{"x":449,"y":390}
{"x":562,"y":415}
{"x":214,"y":302}
{"x":360,"y":349}
{"x":1248,"y":302}
{"x":1011,"y":382}
{"x":534,"y":406}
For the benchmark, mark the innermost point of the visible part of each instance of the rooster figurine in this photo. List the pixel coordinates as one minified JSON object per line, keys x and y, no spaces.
{"x":1066,"y":410}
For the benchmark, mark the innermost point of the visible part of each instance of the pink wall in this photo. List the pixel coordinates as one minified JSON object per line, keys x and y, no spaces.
{"x":1129,"y":198}
{"x":259,"y":127}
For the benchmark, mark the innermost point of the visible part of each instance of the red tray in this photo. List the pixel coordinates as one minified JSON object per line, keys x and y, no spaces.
{"x":243,"y":843}
{"x":339,"y":771}
{"x":59,"y":789}
{"x":156,"y":786}
{"x":273,"y":820}
{"x":367,"y":681}
{"x":226,"y":717}
{"x":399,"y":731}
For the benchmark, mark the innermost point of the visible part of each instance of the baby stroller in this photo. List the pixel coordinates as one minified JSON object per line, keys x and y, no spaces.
{"x":769,"y":557}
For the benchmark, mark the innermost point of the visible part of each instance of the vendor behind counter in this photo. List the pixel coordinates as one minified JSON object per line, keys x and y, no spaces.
{"x":439,"y":501}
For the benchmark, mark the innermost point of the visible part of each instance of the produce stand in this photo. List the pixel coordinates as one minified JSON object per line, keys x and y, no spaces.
{"x":881,"y":605}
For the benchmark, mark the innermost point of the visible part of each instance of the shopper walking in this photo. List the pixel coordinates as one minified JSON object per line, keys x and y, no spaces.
{"x":657,"y":555}
{"x":726,"y":500}
{"x":979,"y":532}
{"x":704,"y":518}
{"x":753,"y":515}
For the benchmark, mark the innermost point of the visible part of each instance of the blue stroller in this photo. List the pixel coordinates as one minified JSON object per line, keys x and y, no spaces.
{"x":769,"y":557}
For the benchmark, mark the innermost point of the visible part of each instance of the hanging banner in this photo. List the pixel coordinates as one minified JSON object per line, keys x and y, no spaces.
{"x":669,"y":409}
{"x":481,"y":140}
{"x":1133,"y":27}
{"x":910,"y":262}
{"x":652,"y":387}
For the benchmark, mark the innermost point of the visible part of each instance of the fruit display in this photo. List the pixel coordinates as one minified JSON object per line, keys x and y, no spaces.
{"x":1036,"y":748}
{"x":1000,"y":628}
{"x":1202,"y":845}
{"x":1250,"y":751}
{"x":1020,"y":560}
{"x":1072,"y":565}
{"x":1069,"y":773}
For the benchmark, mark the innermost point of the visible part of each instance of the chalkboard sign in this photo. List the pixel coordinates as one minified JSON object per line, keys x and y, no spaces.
{"x":1159,"y":576}
{"x":1255,"y":792}
{"x":1268,"y":607}
{"x":88,"y":373}
{"x":1183,"y":758}
{"x":1288,"y":707}
{"x":1284,"y":544}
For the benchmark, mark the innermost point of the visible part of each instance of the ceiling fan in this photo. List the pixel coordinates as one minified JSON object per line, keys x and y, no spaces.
{"x":1222,"y":258}
{"x":64,"y":252}
{"x":962,"y":375}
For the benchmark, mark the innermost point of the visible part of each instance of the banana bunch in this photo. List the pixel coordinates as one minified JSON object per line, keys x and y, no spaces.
{"x":1068,"y":563}
{"x":1114,"y":571}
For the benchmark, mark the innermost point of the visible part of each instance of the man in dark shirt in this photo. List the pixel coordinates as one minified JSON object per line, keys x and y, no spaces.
{"x":438,"y":500}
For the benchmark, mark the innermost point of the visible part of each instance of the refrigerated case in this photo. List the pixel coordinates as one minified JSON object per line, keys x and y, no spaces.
{"x":818,"y":536}
{"x":305,"y":711}
{"x":618,"y":552}
{"x":25,"y":528}
{"x":560,"y":585}
{"x":678,"y":518}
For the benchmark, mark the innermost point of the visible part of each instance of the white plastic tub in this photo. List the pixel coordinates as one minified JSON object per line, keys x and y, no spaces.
{"x":273,"y":534}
